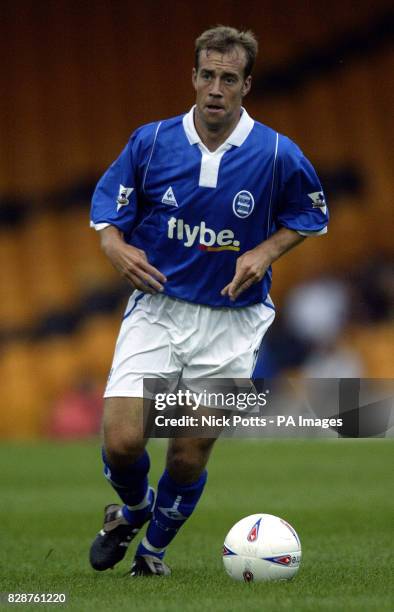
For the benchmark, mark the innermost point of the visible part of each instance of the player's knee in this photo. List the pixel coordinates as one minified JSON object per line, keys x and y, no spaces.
{"x":123,"y":435}
{"x":183,"y":469}
{"x":122,"y":449}
{"x":186,"y":464}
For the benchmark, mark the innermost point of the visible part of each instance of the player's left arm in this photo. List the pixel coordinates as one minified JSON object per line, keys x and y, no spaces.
{"x":252,"y":265}
{"x":301,"y":211}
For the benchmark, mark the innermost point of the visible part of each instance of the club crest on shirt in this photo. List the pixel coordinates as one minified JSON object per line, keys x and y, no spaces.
{"x":123,"y":196}
{"x":243,"y":204}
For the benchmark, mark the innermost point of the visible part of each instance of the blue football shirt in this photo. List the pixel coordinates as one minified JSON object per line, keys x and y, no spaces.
{"x":194,"y":212}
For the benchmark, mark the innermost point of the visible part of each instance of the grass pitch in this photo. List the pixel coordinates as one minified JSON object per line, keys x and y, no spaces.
{"x":336,"y":493}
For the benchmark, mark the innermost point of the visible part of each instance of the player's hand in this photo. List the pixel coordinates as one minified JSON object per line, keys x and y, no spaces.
{"x":250,"y":269}
{"x":132,"y":264}
{"x":252,"y":265}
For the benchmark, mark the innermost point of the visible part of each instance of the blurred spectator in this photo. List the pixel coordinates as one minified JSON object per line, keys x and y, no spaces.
{"x":373,"y":296}
{"x":334,"y":361}
{"x":309,"y":336}
{"x":318,"y":312}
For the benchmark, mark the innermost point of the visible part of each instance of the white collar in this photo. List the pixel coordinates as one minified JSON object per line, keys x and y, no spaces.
{"x":236,"y":138}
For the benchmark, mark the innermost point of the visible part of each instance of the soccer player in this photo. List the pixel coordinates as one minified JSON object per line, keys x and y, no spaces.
{"x":192,"y":213}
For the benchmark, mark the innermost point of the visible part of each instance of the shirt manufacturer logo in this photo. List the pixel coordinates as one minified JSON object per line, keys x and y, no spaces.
{"x":169,"y":198}
{"x":243,"y":204}
{"x":173,"y":512}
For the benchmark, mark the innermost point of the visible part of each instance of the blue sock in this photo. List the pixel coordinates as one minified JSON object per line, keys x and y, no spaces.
{"x":174,"y":504}
{"x":131,"y":484}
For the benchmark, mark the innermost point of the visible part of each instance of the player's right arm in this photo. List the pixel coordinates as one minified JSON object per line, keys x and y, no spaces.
{"x":114,"y":212}
{"x":130,"y":262}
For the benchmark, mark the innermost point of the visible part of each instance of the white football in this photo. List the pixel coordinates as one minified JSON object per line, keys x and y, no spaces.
{"x":262,"y":547}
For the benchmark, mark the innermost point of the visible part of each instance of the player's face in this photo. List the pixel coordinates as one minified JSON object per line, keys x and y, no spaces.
{"x":220,"y":86}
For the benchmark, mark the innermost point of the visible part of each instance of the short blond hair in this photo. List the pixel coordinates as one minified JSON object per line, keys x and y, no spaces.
{"x":224,"y":39}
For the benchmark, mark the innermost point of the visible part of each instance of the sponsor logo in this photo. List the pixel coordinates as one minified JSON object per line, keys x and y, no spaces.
{"x":169,"y":198}
{"x":243,"y":204}
{"x":123,"y":196}
{"x":289,"y":559}
{"x":254,"y":532}
{"x":205,"y":238}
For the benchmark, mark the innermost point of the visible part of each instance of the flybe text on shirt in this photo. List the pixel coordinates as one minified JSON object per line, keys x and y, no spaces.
{"x":202,"y":236}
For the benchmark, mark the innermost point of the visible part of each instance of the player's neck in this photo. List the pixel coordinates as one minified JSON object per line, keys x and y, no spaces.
{"x":213,"y":136}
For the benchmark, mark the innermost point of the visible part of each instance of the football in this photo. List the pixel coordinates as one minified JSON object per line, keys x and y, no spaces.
{"x":262,"y":547}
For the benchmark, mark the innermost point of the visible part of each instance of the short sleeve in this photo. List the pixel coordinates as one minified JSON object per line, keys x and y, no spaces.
{"x":302,"y":204}
{"x":114,"y":200}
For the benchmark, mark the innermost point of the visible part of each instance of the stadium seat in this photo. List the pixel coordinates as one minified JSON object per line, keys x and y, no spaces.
{"x":96,"y":341}
{"x":89,"y":268}
{"x":375,"y":345}
{"x":23,"y":403}
{"x":46,"y":266}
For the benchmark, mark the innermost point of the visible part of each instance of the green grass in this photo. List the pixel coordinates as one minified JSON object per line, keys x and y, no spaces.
{"x":336,"y":493}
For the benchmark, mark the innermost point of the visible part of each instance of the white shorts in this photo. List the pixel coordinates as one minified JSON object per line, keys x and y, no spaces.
{"x":167,"y":338}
